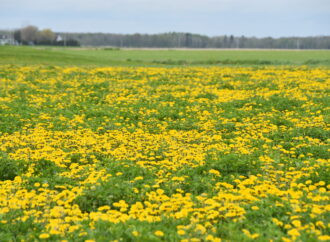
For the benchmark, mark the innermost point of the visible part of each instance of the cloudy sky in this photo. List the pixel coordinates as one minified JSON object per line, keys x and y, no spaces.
{"x":259,"y":18}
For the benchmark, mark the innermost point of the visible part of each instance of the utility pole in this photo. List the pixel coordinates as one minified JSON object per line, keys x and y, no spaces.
{"x":64,"y":39}
{"x":298,"y":44}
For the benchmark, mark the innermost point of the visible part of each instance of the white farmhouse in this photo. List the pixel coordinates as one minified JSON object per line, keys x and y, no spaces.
{"x":7,"y":40}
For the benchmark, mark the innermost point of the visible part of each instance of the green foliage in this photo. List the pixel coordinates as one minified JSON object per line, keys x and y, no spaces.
{"x":322,"y":173}
{"x":9,"y":169}
{"x":117,"y":187}
{"x":234,"y":164}
{"x":16,"y":230}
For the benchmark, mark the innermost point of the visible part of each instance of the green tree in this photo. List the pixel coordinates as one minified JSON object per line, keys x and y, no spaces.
{"x":29,"y":34}
{"x":45,"y":36}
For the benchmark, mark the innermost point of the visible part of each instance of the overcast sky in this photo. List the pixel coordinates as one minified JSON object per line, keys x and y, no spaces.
{"x":259,"y":18}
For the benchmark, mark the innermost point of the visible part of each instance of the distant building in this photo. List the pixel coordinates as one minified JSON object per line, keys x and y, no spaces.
{"x":7,"y":40}
{"x":59,"y":38}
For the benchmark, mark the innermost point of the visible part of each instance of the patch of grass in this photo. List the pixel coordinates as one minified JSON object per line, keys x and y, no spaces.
{"x":120,"y":186}
{"x":9,"y":169}
{"x":233,"y":164}
{"x":322,"y":173}
{"x":101,"y":57}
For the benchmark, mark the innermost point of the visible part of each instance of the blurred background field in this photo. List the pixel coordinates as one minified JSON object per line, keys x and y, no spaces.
{"x":27,"y":55}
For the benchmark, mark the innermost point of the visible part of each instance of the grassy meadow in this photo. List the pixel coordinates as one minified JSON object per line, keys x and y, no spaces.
{"x":166,"y":145}
{"x":134,"y":57}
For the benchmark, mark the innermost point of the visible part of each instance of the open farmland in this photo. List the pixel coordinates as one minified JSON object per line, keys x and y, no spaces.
{"x":152,"y":153}
{"x":27,"y":55}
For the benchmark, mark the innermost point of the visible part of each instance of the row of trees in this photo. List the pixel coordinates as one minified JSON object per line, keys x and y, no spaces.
{"x":188,"y":40}
{"x":31,"y":35}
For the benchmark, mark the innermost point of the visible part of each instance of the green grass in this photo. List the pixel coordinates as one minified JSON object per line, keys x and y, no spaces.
{"x":126,"y":57}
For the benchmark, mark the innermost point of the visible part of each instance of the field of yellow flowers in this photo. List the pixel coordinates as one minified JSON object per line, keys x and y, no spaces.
{"x":172,"y":154}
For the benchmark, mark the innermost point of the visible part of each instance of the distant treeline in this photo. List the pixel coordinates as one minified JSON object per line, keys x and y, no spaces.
{"x":32,"y":35}
{"x":187,"y":40}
